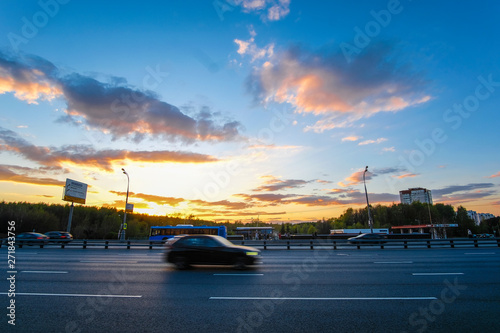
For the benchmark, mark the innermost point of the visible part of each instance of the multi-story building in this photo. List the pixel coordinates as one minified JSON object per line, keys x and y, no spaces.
{"x":416,"y":194}
{"x":479,"y":217}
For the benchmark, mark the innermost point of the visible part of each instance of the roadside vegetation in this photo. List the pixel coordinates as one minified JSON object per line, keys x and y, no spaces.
{"x":104,"y":222}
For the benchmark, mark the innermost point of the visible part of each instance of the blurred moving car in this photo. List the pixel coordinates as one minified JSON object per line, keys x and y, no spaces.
{"x":209,"y":250}
{"x":367,"y":239}
{"x":31,"y":238}
{"x":59,"y":236}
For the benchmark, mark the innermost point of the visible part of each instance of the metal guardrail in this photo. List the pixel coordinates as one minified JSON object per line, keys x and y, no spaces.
{"x":287,"y":244}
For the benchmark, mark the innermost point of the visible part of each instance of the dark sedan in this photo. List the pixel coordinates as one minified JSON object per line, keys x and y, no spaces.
{"x":209,"y":250}
{"x":31,"y":238}
{"x":368,"y":239}
{"x":59,"y":236}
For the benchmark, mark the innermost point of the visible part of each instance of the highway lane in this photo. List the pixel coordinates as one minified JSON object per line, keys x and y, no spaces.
{"x":369,"y":290}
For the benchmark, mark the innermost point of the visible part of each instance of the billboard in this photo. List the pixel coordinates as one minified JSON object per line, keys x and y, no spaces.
{"x":75,"y":191}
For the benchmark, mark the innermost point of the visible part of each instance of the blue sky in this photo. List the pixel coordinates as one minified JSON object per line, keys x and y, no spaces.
{"x":245,"y":109}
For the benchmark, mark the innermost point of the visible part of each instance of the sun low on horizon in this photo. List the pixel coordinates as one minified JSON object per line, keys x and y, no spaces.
{"x":248,"y":110}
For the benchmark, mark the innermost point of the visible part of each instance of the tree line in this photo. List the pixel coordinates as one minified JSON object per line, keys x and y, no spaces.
{"x":90,"y":222}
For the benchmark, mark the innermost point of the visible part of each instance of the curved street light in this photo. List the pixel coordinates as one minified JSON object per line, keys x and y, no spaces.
{"x":370,"y":222}
{"x":121,"y":235}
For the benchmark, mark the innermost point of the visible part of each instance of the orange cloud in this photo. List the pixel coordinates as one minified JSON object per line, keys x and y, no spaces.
{"x":495,"y":175}
{"x":30,"y":85}
{"x":160,"y":200}
{"x":351,"y":138}
{"x":338,"y":91}
{"x":7,"y":175}
{"x":407,"y":175}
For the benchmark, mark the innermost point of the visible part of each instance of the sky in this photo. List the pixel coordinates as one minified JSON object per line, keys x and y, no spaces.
{"x":250,"y":109}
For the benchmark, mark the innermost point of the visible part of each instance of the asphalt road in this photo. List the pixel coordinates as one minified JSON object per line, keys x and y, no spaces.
{"x":368,"y":290}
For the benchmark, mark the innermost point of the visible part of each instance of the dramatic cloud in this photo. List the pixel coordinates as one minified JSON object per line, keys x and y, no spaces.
{"x":340,"y":92}
{"x":6,"y":174}
{"x":160,"y":200}
{"x":85,"y":155}
{"x":274,"y":184}
{"x":274,"y":199}
{"x":463,"y":193}
{"x":223,"y":203}
{"x":111,"y":107}
{"x":355,"y":178}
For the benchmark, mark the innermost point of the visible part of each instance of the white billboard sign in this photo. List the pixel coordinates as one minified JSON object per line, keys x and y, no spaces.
{"x":75,"y":191}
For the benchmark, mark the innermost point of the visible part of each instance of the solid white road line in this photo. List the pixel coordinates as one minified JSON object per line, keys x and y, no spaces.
{"x":472,"y":253}
{"x":326,"y":298}
{"x":46,"y":272}
{"x":76,"y":295}
{"x":437,"y":273}
{"x":108,"y":261}
{"x":393,"y":262}
{"x":235,"y":274}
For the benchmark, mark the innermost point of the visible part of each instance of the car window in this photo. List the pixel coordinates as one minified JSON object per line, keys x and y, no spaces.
{"x":192,"y":242}
{"x":209,"y":242}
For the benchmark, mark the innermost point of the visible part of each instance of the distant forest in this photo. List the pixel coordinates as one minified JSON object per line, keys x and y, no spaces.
{"x":104,"y":223}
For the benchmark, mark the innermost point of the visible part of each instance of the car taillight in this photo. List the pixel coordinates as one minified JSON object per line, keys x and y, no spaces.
{"x":39,"y":238}
{"x":63,"y":236}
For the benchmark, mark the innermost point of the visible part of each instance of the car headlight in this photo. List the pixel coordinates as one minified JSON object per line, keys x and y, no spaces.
{"x":252,"y":253}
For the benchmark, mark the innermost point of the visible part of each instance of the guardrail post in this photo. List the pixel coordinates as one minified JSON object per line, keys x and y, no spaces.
{"x":312,"y":247}
{"x":451,"y":244}
{"x":359,"y":246}
{"x":475,"y":242}
{"x":128,"y":245}
{"x":382,"y":246}
{"x":264,"y":245}
{"x":150,"y":245}
{"x":62,"y":245}
{"x":106,"y":244}
{"x":288,"y":245}
{"x":498,"y":242}
{"x":405,"y":244}
{"x":428,"y":244}
{"x":41,"y":246}
{"x":335,"y":245}
{"x":85,"y":244}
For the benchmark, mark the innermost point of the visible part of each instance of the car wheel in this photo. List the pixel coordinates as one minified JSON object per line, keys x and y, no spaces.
{"x":181,"y":262}
{"x":240,"y":263}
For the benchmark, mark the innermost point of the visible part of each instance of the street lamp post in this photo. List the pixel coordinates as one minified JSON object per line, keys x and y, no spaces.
{"x":370,"y":222}
{"x":122,"y":229}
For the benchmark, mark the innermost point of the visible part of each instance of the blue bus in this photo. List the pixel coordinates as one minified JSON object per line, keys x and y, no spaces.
{"x":166,"y":232}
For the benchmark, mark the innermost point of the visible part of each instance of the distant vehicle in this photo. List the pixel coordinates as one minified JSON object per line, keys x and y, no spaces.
{"x":31,"y":238}
{"x":166,"y":232}
{"x":59,"y":236}
{"x":367,"y":239}
{"x":209,"y":250}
